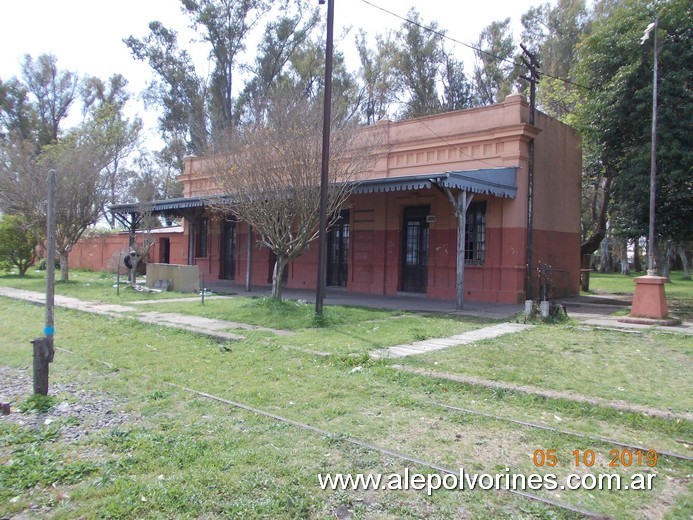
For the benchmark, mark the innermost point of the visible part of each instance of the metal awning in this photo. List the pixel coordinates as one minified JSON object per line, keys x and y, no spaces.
{"x":159,"y":206}
{"x":168,"y":205}
{"x":499,"y":182}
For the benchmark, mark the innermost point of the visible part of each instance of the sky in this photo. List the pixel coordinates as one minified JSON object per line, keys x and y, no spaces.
{"x":86,"y":35}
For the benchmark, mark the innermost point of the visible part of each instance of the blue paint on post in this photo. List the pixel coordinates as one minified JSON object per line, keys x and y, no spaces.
{"x":49,"y":331}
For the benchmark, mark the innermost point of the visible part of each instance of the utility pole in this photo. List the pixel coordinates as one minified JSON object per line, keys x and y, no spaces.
{"x":530,"y":61}
{"x":324,"y":173}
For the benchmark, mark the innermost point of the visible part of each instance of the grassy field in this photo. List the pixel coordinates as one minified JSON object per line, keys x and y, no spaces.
{"x":595,"y":363}
{"x":177,"y":454}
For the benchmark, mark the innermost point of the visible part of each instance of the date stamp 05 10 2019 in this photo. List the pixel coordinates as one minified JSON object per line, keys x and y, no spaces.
{"x":617,"y":458}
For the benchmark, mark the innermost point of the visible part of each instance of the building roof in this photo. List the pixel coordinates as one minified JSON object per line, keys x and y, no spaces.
{"x":499,"y":182}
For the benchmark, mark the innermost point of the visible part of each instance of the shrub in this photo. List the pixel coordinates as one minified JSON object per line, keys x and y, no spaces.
{"x":18,"y":243}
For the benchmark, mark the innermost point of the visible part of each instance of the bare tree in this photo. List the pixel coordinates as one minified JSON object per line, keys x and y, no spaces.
{"x":21,"y":191}
{"x":270,"y":173}
{"x":78,"y":159}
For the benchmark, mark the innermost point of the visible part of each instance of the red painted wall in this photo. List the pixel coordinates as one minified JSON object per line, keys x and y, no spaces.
{"x":100,"y":252}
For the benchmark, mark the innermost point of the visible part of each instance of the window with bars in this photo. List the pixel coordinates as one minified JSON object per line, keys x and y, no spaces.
{"x":475,"y":234}
{"x":201,"y":237}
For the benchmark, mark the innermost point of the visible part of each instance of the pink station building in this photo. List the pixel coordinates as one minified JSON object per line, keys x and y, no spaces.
{"x":398,"y":232}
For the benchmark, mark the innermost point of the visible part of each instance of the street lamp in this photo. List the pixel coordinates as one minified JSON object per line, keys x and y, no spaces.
{"x":324,"y":177}
{"x":652,"y":28}
{"x":649,"y":300}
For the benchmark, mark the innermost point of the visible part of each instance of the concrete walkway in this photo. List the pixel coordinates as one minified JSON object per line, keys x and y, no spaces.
{"x":217,"y":329}
{"x":422,"y":347}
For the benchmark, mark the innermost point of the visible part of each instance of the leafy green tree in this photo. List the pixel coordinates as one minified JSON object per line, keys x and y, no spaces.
{"x":294,"y":62}
{"x":54,"y":91}
{"x":18,"y":243}
{"x":552,"y":33}
{"x":180,"y":91}
{"x":495,"y":72}
{"x":376,"y":77}
{"x":195,"y":107}
{"x":615,"y":117}
{"x":18,"y":119}
{"x":457,"y":90}
{"x":410,"y":73}
{"x":417,"y":60}
{"x":107,"y":101}
{"x":282,"y":38}
{"x":225,"y":25}
{"x":34,"y":107}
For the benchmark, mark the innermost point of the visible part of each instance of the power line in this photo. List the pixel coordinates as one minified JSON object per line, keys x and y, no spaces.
{"x":475,"y":49}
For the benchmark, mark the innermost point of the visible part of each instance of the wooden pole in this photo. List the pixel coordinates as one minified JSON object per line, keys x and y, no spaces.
{"x":324,"y":173}
{"x":43,"y":347}
{"x":532,"y":65}
{"x":463,"y":201}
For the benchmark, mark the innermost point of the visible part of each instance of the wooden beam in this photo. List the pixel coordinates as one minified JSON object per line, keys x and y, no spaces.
{"x":464,"y":199}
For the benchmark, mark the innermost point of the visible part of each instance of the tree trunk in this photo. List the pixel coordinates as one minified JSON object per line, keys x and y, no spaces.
{"x":64,"y":267}
{"x":684,"y":261}
{"x":637,"y":265}
{"x":664,"y":260}
{"x":277,"y":277}
{"x":606,"y":265}
{"x":591,"y":244}
{"x":623,"y":253}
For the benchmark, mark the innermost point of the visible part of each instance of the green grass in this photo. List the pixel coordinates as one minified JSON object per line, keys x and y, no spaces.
{"x":35,"y":462}
{"x":268,"y":312}
{"x":679,"y":292}
{"x":184,"y":456}
{"x":677,"y":288}
{"x":37,"y":403}
{"x":343,"y":331}
{"x":649,"y":369}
